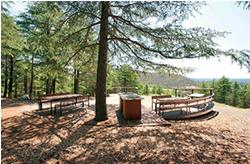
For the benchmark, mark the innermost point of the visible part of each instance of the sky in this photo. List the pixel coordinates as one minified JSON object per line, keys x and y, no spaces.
{"x":217,"y":15}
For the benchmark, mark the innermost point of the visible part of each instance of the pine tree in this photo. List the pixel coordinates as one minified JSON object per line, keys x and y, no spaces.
{"x":244,"y":96}
{"x":212,"y":84}
{"x":127,"y":76}
{"x":222,"y":89}
{"x":204,"y":85}
{"x":159,"y":90}
{"x":146,"y":89}
{"x":12,"y":43}
{"x":233,"y":97}
{"x":154,"y":89}
{"x":248,"y":96}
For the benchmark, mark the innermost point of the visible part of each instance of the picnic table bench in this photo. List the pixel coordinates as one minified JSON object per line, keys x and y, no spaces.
{"x":64,"y":100}
{"x":42,"y":99}
{"x":155,"y":100}
{"x":200,"y":103}
{"x":72,"y":101}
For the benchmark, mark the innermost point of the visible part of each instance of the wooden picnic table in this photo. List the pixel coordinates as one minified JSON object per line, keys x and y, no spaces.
{"x":172,"y":99}
{"x":59,"y":97}
{"x":194,"y":89}
{"x":54,"y":98}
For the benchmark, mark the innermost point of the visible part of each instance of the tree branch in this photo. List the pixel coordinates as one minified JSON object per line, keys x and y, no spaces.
{"x":133,"y":4}
{"x":91,"y":12}
{"x":92,"y":45}
{"x":138,"y":28}
{"x":188,"y":55}
{"x":81,"y":30}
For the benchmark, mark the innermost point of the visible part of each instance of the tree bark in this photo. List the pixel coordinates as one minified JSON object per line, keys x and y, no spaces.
{"x":101,"y":110}
{"x":31,"y":77}
{"x":16,"y":84}
{"x":25,"y":79}
{"x":6,"y":78}
{"x":53,"y":86}
{"x":48,"y":86}
{"x":76,"y":81}
{"x":48,"y":81}
{"x":11,"y":77}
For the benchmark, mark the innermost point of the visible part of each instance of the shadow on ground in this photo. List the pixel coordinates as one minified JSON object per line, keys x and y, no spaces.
{"x":75,"y":138}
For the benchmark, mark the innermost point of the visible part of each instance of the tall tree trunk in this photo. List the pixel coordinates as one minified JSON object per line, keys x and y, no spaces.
{"x":11,"y":77}
{"x":48,"y":91}
{"x":31,"y":77}
{"x":53,"y":86}
{"x":16,"y":83}
{"x":76,"y":81}
{"x":48,"y":86}
{"x":6,"y":78}
{"x":101,"y":110}
{"x":35,"y":93}
{"x":25,"y":81}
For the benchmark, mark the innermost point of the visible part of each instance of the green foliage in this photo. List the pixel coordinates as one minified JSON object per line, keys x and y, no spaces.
{"x":204,"y":85}
{"x":154,"y":89}
{"x":11,"y":38}
{"x":168,"y":92}
{"x":222,"y":89}
{"x":212,"y":84}
{"x":244,"y":97}
{"x":12,"y":45}
{"x":125,"y":76}
{"x":146,"y":90}
{"x":54,"y":52}
{"x":233,"y":97}
{"x":159,"y":90}
{"x":230,"y":93}
{"x":140,"y":88}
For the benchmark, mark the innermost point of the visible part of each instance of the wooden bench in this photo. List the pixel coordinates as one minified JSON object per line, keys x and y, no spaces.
{"x":41,"y":100}
{"x":72,"y":101}
{"x":65,"y":102}
{"x":180,"y":104}
{"x":155,"y":101}
{"x":83,"y":99}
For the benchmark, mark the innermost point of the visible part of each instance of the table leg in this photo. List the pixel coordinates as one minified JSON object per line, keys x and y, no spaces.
{"x":40,"y":105}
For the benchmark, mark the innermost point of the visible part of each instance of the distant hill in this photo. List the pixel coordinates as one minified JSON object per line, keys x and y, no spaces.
{"x":208,"y":80}
{"x":166,"y":80}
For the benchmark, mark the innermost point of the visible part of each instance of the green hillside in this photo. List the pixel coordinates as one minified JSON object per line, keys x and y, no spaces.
{"x":166,"y":80}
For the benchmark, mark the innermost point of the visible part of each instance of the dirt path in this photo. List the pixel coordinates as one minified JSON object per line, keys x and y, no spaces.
{"x":10,"y":112}
{"x":231,"y":111}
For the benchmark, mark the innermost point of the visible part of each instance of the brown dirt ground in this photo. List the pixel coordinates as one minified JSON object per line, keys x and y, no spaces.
{"x":29,"y":136}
